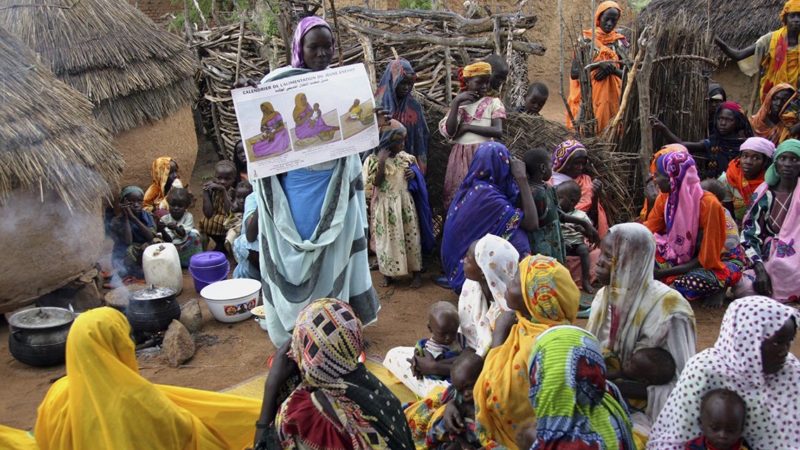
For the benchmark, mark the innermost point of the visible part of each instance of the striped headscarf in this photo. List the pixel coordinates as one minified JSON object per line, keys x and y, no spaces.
{"x":573,"y":402}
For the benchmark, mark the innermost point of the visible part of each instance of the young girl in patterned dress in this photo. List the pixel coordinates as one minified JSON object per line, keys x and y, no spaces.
{"x":474,"y":118}
{"x":394,"y":221}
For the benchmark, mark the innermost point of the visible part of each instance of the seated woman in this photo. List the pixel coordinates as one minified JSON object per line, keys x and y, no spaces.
{"x":541,"y":295}
{"x":486,"y":203}
{"x":721,"y":146}
{"x":745,"y":174}
{"x":165,"y":176}
{"x":634,"y":311}
{"x":689,"y":226}
{"x":334,"y":402}
{"x":574,"y":402}
{"x":133,"y":413}
{"x":752,"y":358}
{"x":771,"y":230}
{"x":769,"y":122}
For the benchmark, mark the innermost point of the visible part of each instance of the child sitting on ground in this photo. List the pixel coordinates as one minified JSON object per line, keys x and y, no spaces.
{"x":217,"y":204}
{"x":132,"y":229}
{"x":234,"y":222}
{"x":177,"y":227}
{"x":535,"y":99}
{"x":394,"y":221}
{"x":547,"y":240}
{"x":464,"y":374}
{"x":569,"y":194}
{"x":443,"y":325}
{"x":722,"y":416}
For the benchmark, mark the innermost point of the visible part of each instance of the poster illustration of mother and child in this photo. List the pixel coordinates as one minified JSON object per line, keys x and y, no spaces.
{"x":310,"y":119}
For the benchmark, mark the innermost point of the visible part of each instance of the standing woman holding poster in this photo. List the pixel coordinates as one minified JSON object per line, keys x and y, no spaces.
{"x":313,"y":221}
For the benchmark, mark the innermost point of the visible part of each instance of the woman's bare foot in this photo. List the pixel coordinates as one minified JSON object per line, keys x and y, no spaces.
{"x":416,"y":283}
{"x":386,"y":281}
{"x":587,"y":287}
{"x":715,"y":301}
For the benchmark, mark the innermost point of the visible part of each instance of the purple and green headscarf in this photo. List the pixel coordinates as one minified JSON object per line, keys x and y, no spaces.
{"x":565,"y":151}
{"x":304,"y":27}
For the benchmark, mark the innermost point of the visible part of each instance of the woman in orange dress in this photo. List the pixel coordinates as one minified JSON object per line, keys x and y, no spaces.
{"x":610,"y":47}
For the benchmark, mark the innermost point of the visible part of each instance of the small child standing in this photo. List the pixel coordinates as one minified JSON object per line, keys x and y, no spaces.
{"x":234,"y":221}
{"x":394,"y":221}
{"x":535,"y":99}
{"x":547,"y":240}
{"x":217,"y":204}
{"x":132,"y":229}
{"x":722,"y":416}
{"x":464,"y":374}
{"x":475,"y":117}
{"x":177,"y":227}
{"x":575,"y":228}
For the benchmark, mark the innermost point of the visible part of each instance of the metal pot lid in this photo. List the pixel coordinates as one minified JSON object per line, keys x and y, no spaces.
{"x":153,"y":293}
{"x":41,"y":318}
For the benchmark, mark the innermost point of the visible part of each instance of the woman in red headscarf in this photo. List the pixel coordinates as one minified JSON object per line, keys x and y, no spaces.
{"x":610,"y":47}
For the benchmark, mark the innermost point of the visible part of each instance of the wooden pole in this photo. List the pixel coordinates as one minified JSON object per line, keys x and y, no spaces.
{"x":647,"y":45}
{"x":448,"y":69}
{"x":239,"y":48}
{"x":338,"y":35}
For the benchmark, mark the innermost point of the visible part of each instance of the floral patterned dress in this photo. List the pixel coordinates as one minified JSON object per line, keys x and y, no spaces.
{"x":394,"y":218}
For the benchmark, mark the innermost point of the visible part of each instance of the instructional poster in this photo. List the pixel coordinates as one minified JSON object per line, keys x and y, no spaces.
{"x":306,"y":119}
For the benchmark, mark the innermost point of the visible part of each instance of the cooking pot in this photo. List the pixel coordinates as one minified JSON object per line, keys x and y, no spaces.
{"x":152,"y":309}
{"x":39,"y":335}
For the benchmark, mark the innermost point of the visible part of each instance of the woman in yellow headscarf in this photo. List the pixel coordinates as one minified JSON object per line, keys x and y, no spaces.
{"x":606,"y":78}
{"x":103,"y":402}
{"x":164,"y":173}
{"x":777,"y":53}
{"x":544,"y":296}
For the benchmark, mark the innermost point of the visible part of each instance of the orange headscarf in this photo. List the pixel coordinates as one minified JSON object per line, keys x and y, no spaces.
{"x":300,"y":105}
{"x":791,"y":6}
{"x":477,"y":69}
{"x":600,"y":35}
{"x":759,"y":120}
{"x":155,"y":197}
{"x":268,"y":112}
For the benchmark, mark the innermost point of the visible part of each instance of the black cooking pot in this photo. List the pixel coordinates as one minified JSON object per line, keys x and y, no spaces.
{"x":39,"y":335}
{"x":151,"y":310}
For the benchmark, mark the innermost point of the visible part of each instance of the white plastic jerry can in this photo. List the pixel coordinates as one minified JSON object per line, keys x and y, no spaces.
{"x":162,"y":266}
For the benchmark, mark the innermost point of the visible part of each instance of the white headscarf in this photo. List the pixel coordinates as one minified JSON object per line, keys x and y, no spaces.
{"x":734,"y":362}
{"x":499,"y":262}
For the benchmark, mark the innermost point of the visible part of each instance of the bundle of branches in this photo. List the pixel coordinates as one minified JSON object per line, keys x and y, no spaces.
{"x":670,"y":83}
{"x":523,"y":132}
{"x":438,"y":42}
{"x":226,"y":53}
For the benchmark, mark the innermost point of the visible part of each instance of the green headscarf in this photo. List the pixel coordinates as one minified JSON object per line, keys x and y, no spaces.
{"x":570,"y":394}
{"x":127,"y":190}
{"x":788,"y":146}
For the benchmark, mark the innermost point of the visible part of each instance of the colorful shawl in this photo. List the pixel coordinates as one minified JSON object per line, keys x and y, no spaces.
{"x":774,"y":67}
{"x":326,"y":344}
{"x":551,"y":298}
{"x":406,"y":110}
{"x":156,"y":195}
{"x":575,"y":406}
{"x":734,"y":362}
{"x":669,"y":148}
{"x":736,"y":179}
{"x":720,"y":150}
{"x":776,"y":132}
{"x":484,"y":204}
{"x":682,"y":210}
{"x":303,"y":27}
{"x":562,"y":154}
{"x":103,"y":401}
{"x":605,"y":93}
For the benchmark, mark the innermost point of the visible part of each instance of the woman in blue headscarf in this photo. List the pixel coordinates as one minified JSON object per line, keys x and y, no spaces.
{"x":394,"y":95}
{"x":494,"y":198}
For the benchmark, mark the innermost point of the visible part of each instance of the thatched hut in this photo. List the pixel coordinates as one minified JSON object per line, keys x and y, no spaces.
{"x":139,"y":78}
{"x":56,"y":165}
{"x":738,"y":23}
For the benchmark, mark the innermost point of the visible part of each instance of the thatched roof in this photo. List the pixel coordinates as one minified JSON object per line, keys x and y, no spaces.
{"x":738,"y":23}
{"x":49,"y":139}
{"x":132,"y":71}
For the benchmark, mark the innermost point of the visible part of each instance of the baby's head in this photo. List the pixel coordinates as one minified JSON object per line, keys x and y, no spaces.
{"x":722,"y":415}
{"x":569,"y":194}
{"x":651,"y":366}
{"x":471,"y":269}
{"x":464,"y":373}
{"x":715,"y":187}
{"x":225,"y":173}
{"x":243,"y":189}
{"x":356,"y":102}
{"x":443,"y":323}
{"x":179,"y":200}
{"x":316,"y":105}
{"x":538,"y":164}
{"x":536,"y":98}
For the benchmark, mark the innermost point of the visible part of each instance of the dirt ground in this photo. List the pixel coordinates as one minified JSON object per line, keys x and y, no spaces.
{"x":228,"y":354}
